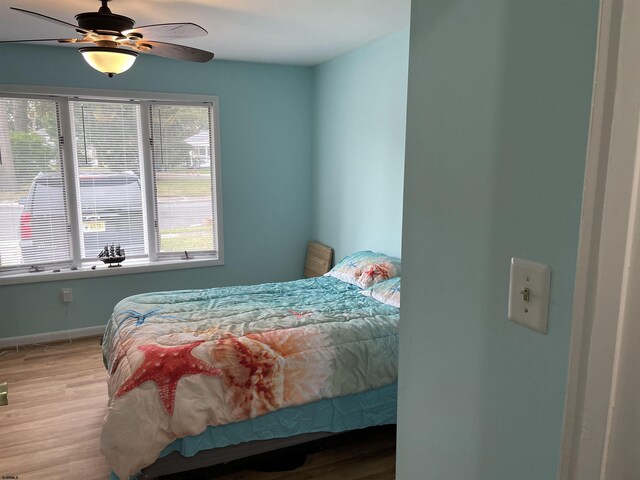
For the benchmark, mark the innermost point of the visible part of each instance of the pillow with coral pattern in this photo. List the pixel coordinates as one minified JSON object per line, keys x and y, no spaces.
{"x":387,"y":291}
{"x":365,"y":268}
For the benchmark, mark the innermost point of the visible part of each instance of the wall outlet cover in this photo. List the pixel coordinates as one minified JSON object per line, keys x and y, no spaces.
{"x":66,"y":295}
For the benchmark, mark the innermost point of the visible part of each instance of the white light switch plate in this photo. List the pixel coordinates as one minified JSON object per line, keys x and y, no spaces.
{"x":535,"y":277}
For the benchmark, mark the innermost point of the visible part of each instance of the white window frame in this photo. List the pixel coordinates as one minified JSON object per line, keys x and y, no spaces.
{"x":155,"y":261}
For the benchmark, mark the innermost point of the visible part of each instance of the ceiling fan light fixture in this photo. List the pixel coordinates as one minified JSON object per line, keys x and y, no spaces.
{"x":116,"y":43}
{"x":108,"y":60}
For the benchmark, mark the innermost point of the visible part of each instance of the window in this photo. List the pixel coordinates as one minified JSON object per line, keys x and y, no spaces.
{"x":108,"y":159}
{"x":31,"y":167}
{"x":183,"y":194}
{"x":77,"y":174}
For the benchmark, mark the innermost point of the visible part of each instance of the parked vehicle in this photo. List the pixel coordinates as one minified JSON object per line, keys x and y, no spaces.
{"x":111,"y":213}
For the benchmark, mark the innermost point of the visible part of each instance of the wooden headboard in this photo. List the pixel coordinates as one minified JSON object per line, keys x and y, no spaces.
{"x":318,"y":261}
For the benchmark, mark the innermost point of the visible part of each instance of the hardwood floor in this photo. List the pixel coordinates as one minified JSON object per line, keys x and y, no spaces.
{"x":57,"y":402}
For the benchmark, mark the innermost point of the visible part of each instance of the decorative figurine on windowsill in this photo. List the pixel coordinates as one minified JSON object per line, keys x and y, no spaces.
{"x":112,"y":255}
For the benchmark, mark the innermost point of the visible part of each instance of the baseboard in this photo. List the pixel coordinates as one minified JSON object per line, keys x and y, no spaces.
{"x":51,"y":336}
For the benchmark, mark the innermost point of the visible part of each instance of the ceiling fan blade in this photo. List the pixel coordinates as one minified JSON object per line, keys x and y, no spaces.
{"x":174,"y":30}
{"x":171,"y":50}
{"x":51,"y":19}
{"x":59,"y":40}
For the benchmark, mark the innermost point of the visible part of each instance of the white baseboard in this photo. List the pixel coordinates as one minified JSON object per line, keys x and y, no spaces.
{"x":51,"y":336}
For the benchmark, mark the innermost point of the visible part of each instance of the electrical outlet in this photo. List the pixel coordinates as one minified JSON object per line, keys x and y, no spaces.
{"x":66,"y":295}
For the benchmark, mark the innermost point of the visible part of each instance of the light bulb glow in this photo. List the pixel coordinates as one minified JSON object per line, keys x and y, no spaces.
{"x":109,"y":60}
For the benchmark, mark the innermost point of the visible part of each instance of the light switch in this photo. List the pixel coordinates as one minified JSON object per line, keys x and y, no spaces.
{"x":529,"y":294}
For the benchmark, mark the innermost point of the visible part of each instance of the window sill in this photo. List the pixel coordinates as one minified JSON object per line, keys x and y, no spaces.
{"x":85,"y":271}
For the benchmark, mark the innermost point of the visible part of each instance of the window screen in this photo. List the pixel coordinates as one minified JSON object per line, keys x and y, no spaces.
{"x":108,"y":157}
{"x":183,"y":174}
{"x":33,"y":206}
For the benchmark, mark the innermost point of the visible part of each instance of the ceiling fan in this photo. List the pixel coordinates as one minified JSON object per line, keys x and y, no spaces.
{"x":116,"y":43}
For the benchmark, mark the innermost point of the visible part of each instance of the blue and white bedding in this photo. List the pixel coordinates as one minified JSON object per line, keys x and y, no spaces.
{"x":182,"y":361}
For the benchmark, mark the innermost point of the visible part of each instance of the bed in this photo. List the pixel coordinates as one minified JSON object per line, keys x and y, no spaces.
{"x":232,"y":369}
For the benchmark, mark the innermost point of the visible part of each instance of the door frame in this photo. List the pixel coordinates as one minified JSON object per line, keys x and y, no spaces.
{"x":604,"y":242}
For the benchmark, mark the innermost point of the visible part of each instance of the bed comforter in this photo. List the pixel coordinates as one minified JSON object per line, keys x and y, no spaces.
{"x":183,"y":360}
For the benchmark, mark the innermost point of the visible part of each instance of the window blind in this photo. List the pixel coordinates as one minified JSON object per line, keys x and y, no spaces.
{"x":183,"y":171}
{"x":33,"y":202}
{"x":73,"y":173}
{"x":108,"y":161}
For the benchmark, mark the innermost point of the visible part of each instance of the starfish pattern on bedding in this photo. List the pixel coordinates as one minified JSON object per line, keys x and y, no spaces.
{"x":166,"y":366}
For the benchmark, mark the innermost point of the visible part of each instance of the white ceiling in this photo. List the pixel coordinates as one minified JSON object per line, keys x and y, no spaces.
{"x":291,"y":32}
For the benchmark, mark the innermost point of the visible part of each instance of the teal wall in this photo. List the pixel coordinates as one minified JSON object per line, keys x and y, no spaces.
{"x":359,"y":125}
{"x":265,"y":122}
{"x":498,"y":115}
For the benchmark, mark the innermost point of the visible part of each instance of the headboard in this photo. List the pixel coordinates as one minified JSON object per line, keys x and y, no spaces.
{"x":318,"y":261}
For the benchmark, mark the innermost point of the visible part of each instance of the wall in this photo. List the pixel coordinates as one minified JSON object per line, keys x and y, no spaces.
{"x":265,"y":122}
{"x":359,"y":113}
{"x":497,"y":124}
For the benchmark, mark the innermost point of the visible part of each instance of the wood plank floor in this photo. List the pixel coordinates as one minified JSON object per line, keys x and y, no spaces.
{"x":57,"y":402}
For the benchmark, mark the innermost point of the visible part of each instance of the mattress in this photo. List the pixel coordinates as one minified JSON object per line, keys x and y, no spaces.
{"x":181,"y":362}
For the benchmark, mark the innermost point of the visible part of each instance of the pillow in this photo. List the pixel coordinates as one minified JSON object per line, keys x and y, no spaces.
{"x":365,"y":268}
{"x":387,"y":292}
